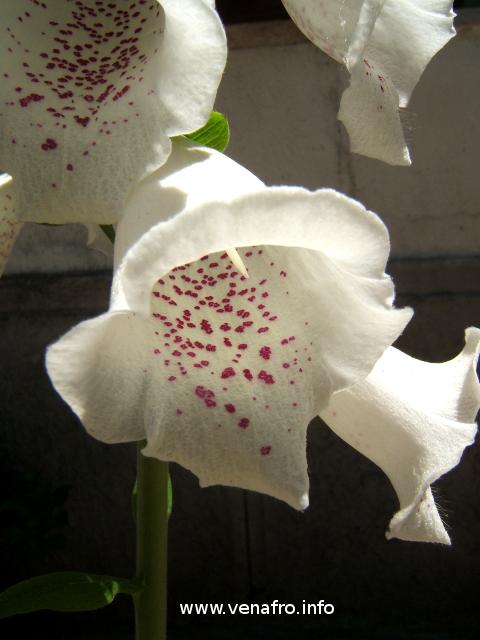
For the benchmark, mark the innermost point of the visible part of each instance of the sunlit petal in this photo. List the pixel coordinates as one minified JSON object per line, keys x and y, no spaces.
{"x":91,"y":92}
{"x":222,"y":373}
{"x":406,"y":36}
{"x":386,"y":45}
{"x":369,"y":111}
{"x":413,"y":419}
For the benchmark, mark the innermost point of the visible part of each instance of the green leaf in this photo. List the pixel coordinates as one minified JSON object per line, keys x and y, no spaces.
{"x":66,"y":591}
{"x":215,"y":134}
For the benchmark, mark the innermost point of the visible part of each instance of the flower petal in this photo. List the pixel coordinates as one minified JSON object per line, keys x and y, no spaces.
{"x":386,"y":45}
{"x":9,"y":225}
{"x":92,"y":92}
{"x":406,"y":36}
{"x":413,"y":419}
{"x":369,"y":111}
{"x":334,"y":26}
{"x":220,"y":372}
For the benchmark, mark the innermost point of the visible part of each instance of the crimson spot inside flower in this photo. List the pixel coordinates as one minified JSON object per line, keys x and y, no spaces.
{"x":265,"y":353}
{"x":214,"y":313}
{"x":266,"y":377}
{"x":76,"y":59}
{"x":207,"y":395}
{"x":49,"y":144}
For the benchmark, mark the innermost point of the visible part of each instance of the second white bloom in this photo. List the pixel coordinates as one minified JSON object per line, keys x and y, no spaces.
{"x":385,"y":45}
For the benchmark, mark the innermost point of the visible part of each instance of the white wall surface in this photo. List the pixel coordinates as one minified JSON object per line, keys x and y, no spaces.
{"x":281,"y":96}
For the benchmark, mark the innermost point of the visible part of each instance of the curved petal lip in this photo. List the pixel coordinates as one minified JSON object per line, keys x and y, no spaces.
{"x":413,"y":419}
{"x":238,"y":224}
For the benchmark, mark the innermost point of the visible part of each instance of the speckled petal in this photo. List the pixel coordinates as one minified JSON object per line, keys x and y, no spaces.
{"x":334,"y":26}
{"x":220,"y":372}
{"x":91,"y":92}
{"x":9,"y":225}
{"x":413,"y":419}
{"x":369,"y":111}
{"x":406,"y":36}
{"x":386,"y":45}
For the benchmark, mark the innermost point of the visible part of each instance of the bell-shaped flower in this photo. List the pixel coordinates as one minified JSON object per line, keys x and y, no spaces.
{"x":385,"y":45}
{"x":91,"y":93}
{"x":239,"y":313}
{"x":413,"y":419}
{"x":236,"y":311}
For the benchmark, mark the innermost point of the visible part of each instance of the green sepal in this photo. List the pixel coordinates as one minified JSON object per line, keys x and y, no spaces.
{"x":65,"y":591}
{"x":215,"y":134}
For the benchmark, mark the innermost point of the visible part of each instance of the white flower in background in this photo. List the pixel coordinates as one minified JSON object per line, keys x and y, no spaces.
{"x":413,"y":419}
{"x":220,"y":372}
{"x":385,"y":45}
{"x":91,"y":92}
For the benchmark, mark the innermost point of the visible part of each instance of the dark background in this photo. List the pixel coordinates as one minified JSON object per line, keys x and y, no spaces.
{"x":66,"y":505}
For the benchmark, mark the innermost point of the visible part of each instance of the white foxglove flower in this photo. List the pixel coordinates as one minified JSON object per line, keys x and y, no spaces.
{"x":91,"y":92}
{"x":385,"y":45}
{"x":413,"y":419}
{"x":221,"y":372}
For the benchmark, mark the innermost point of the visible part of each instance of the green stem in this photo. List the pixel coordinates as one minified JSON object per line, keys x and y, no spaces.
{"x":152,"y":529}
